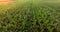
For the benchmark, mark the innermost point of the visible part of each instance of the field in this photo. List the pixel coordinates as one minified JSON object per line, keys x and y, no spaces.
{"x":30,"y":16}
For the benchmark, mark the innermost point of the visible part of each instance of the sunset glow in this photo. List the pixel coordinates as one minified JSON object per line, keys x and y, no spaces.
{"x":5,"y":2}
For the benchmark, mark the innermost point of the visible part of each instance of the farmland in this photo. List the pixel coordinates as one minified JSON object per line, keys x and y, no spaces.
{"x":30,"y":16}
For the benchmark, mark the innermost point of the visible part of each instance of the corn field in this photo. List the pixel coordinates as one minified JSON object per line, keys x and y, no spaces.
{"x":30,"y":16}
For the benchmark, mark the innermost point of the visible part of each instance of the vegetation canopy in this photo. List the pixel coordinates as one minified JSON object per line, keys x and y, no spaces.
{"x":29,"y":15}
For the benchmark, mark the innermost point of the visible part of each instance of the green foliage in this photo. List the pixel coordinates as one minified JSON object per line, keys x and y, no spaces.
{"x":30,"y":17}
